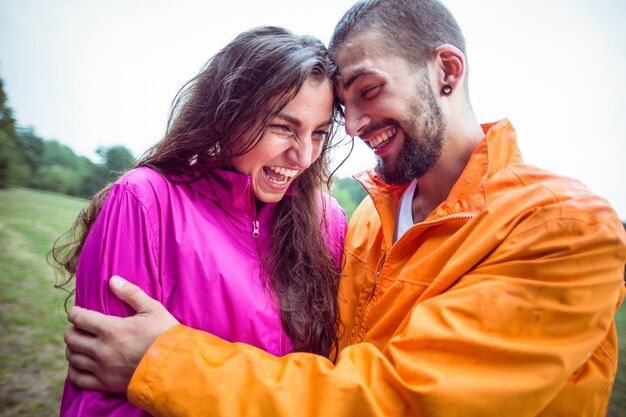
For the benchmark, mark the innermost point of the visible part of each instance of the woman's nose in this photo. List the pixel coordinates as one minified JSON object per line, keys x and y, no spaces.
{"x":302,"y":153}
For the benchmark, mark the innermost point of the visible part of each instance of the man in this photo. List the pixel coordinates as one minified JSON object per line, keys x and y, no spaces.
{"x":474,"y":284}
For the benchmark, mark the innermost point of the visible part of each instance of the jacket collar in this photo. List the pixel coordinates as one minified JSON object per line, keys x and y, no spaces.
{"x":469,"y":193}
{"x":230,"y":190}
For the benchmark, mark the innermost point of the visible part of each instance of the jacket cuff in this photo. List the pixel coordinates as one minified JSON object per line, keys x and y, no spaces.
{"x":161,"y":365}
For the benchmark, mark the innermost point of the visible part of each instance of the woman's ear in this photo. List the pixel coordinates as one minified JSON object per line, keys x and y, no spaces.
{"x":451,"y":64}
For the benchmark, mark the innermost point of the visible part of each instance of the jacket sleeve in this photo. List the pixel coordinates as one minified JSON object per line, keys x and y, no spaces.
{"x":121,"y":242}
{"x":503,"y":340}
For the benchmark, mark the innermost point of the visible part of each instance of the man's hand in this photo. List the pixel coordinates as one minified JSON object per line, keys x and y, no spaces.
{"x":103,"y":351}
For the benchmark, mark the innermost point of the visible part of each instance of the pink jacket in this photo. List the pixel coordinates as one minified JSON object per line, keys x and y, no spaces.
{"x":192,"y":248}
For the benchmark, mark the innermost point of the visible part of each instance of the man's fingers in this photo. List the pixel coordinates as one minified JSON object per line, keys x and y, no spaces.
{"x":84,"y":380}
{"x":80,"y":361}
{"x":80,"y":342}
{"x":131,"y":294}
{"x":86,"y":320}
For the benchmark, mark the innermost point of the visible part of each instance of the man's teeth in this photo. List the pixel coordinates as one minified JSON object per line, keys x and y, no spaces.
{"x":376,"y":142}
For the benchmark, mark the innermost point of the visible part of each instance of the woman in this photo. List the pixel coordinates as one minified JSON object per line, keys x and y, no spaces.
{"x":220,"y":221}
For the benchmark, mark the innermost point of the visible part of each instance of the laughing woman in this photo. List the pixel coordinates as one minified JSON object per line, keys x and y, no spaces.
{"x":224,"y":220}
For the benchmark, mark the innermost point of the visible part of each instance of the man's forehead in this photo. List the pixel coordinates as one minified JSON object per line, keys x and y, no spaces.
{"x":369,"y":42}
{"x":356,"y":58}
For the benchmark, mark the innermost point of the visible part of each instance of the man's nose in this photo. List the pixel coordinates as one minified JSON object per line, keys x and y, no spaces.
{"x":355,"y":121}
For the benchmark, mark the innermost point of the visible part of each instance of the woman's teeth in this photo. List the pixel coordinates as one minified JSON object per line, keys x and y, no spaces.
{"x":279,"y":175}
{"x":378,"y":141}
{"x":284,"y":171}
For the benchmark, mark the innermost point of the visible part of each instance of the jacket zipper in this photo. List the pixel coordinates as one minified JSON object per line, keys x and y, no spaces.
{"x":381,"y":263}
{"x":466,"y":215}
{"x":253,"y":213}
{"x":255,"y":235}
{"x":371,"y":295}
{"x":255,"y":228}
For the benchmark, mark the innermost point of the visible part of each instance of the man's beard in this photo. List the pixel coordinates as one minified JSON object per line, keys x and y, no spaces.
{"x":423,"y":140}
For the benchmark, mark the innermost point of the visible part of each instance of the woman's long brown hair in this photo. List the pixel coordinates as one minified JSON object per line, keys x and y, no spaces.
{"x":239,"y":91}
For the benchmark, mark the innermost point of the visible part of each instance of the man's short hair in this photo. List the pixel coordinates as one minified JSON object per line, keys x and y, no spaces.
{"x":410,"y":29}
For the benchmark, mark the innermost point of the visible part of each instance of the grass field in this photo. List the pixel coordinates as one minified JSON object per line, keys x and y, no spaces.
{"x":32,"y":361}
{"x":617,"y":406}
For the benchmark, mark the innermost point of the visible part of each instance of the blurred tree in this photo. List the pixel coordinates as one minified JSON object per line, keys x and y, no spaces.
{"x":115,"y":161}
{"x":50,"y":165}
{"x":55,"y":153}
{"x":8,"y":151}
{"x":349,"y":193}
{"x":7,"y":156}
{"x":58,"y":178}
{"x":92,"y":178}
{"x":31,"y":150}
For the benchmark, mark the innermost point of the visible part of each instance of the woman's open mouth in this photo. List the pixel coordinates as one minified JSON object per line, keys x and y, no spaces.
{"x":279,"y":175}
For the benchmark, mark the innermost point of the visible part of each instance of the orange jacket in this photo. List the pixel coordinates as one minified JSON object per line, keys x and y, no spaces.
{"x":501,"y":303}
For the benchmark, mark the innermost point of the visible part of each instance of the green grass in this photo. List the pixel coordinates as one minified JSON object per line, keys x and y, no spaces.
{"x":617,"y":406}
{"x":32,"y":359}
{"x":32,"y":318}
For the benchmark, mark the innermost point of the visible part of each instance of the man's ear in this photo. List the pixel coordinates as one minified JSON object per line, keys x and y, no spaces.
{"x":451,"y":65}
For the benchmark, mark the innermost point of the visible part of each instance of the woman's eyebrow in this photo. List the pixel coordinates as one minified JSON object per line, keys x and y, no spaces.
{"x":290,"y":119}
{"x":298,"y":123}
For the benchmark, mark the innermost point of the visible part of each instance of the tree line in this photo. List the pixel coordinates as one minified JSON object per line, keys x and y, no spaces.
{"x":28,"y":160}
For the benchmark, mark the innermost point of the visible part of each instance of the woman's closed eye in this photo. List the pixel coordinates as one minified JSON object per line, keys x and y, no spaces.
{"x":320,"y":135}
{"x":282,"y":129}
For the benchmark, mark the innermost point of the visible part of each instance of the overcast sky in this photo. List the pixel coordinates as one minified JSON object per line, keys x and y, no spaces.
{"x":92,"y":73}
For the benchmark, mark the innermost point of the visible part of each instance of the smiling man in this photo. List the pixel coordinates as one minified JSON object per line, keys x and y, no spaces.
{"x":474,"y":284}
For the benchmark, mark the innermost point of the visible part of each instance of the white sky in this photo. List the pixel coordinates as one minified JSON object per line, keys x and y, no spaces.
{"x":95,"y":73}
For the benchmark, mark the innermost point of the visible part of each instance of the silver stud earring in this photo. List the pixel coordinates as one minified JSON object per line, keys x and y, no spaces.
{"x":446,"y":90}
